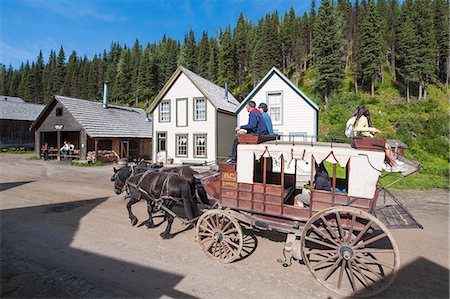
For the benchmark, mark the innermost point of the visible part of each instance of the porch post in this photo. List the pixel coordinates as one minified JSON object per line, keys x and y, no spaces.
{"x":96,"y":148}
{"x":58,"y":142}
{"x":83,"y":145}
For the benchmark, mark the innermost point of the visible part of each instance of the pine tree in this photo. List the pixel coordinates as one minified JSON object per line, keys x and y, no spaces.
{"x":371,"y":45}
{"x":124,"y":76}
{"x":257,"y":53}
{"x":407,"y":49}
{"x":3,"y":89}
{"x":241,"y":46}
{"x":203,"y":56}
{"x":213,"y":60}
{"x":426,"y":57}
{"x":188,"y":55}
{"x":442,"y":28}
{"x":226,"y":70}
{"x":38,"y":81}
{"x":69,"y":89}
{"x":136,"y":54}
{"x":326,"y":51}
{"x":60,"y":72}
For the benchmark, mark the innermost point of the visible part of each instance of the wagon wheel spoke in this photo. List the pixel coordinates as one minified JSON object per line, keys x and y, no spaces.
{"x":204,"y":228}
{"x":227,"y":226}
{"x":371,"y":240}
{"x":352,"y":278}
{"x":341,"y":272}
{"x":367,"y":285}
{"x":351,"y":228}
{"x":331,"y":270}
{"x":324,"y":261}
{"x":320,"y":242}
{"x":376,"y":262}
{"x":320,"y":251}
{"x":361,"y":233}
{"x":330,"y":229}
{"x":366,"y":267}
{"x":207,"y":221}
{"x":374,"y":250}
{"x":323,"y":235}
{"x":339,"y":225}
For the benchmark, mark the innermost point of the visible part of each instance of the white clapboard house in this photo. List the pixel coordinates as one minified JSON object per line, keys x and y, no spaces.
{"x":293,"y":114}
{"x":193,"y":120}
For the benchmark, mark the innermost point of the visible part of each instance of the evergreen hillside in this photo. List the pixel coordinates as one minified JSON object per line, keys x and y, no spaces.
{"x":393,"y":57}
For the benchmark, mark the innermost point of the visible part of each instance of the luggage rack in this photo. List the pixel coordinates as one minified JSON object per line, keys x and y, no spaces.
{"x":393,"y":213}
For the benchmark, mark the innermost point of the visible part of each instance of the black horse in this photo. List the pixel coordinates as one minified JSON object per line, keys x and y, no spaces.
{"x":161,"y":189}
{"x":132,"y":179}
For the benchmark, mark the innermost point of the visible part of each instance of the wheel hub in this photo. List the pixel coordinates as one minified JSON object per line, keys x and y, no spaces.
{"x":218,"y":236}
{"x":346,"y":252}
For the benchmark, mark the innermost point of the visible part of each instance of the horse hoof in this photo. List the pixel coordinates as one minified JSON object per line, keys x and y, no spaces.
{"x":150,"y":225}
{"x":166,"y":236}
{"x":134,"y":221}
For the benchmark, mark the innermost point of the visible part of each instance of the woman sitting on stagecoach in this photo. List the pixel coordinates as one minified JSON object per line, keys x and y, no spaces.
{"x":362,"y":127}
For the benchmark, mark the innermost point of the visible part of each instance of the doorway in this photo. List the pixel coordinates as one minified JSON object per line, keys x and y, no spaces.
{"x":125,"y":149}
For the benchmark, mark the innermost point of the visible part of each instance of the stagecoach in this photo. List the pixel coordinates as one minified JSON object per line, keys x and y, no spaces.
{"x":341,"y":235}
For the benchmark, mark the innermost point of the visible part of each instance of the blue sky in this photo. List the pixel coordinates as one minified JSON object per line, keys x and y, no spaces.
{"x":89,"y":26}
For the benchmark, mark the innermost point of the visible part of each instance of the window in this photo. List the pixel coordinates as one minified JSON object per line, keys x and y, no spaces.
{"x":274,"y":102}
{"x":161,"y":145}
{"x":199,"y":109}
{"x":59,"y":111}
{"x":182,"y":145}
{"x":200,"y":145}
{"x":164,"y":111}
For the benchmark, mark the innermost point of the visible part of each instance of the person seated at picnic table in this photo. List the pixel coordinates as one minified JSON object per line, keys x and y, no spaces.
{"x":44,"y":151}
{"x":262,"y":107}
{"x":65,"y":150}
{"x":256,"y":125}
{"x":362,"y":127}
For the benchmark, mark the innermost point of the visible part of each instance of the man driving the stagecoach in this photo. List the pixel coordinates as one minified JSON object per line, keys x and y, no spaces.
{"x":255,"y":125}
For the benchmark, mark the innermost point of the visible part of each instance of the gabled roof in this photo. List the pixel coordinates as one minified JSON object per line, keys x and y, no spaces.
{"x":112,"y":122}
{"x":214,"y":93}
{"x":275,"y":71}
{"x":11,"y":99}
{"x":16,"y":110}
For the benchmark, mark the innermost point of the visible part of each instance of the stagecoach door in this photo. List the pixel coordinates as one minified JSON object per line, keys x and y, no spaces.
{"x":124,"y":149}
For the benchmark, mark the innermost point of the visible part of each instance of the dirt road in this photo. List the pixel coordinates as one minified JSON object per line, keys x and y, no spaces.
{"x":64,"y":233}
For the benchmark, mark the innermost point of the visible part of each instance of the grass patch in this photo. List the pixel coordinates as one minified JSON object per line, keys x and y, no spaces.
{"x":98,"y":163}
{"x":17,"y":150}
{"x":35,"y":158}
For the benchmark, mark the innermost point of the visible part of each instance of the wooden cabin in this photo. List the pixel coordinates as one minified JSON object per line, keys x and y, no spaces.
{"x":93,"y":127}
{"x":16,"y":117}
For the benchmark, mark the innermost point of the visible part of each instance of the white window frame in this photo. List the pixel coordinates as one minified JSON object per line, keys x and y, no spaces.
{"x":163,"y":113}
{"x":179,"y":145}
{"x":196,"y":110}
{"x":271,"y":106}
{"x":158,"y":139}
{"x":197,"y":145}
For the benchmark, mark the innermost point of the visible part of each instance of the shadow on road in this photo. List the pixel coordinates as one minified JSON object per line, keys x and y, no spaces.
{"x":6,"y":186}
{"x":419,"y":279}
{"x":52,"y":230}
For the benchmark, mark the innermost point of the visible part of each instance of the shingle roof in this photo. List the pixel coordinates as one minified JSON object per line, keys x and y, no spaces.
{"x":214,"y":93}
{"x":17,"y":110}
{"x":11,"y":99}
{"x":113,"y":122}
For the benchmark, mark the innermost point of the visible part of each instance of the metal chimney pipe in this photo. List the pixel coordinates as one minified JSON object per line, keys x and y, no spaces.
{"x":105,"y":94}
{"x":146,"y":109}
{"x":226,"y":90}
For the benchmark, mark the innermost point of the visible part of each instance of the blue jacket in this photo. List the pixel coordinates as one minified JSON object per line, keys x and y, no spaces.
{"x":256,"y":124}
{"x":268,"y":122}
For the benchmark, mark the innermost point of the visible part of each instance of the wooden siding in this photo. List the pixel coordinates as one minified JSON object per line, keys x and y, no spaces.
{"x":297,"y":114}
{"x":16,"y":133}
{"x":226,"y":124}
{"x":184,"y":88}
{"x":69,"y":122}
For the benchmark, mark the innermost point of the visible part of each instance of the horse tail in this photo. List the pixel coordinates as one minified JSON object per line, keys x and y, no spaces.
{"x":190,"y":207}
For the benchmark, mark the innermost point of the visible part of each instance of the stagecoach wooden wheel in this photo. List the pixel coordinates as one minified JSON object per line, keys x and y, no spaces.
{"x":219,"y":235}
{"x":350,"y":251}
